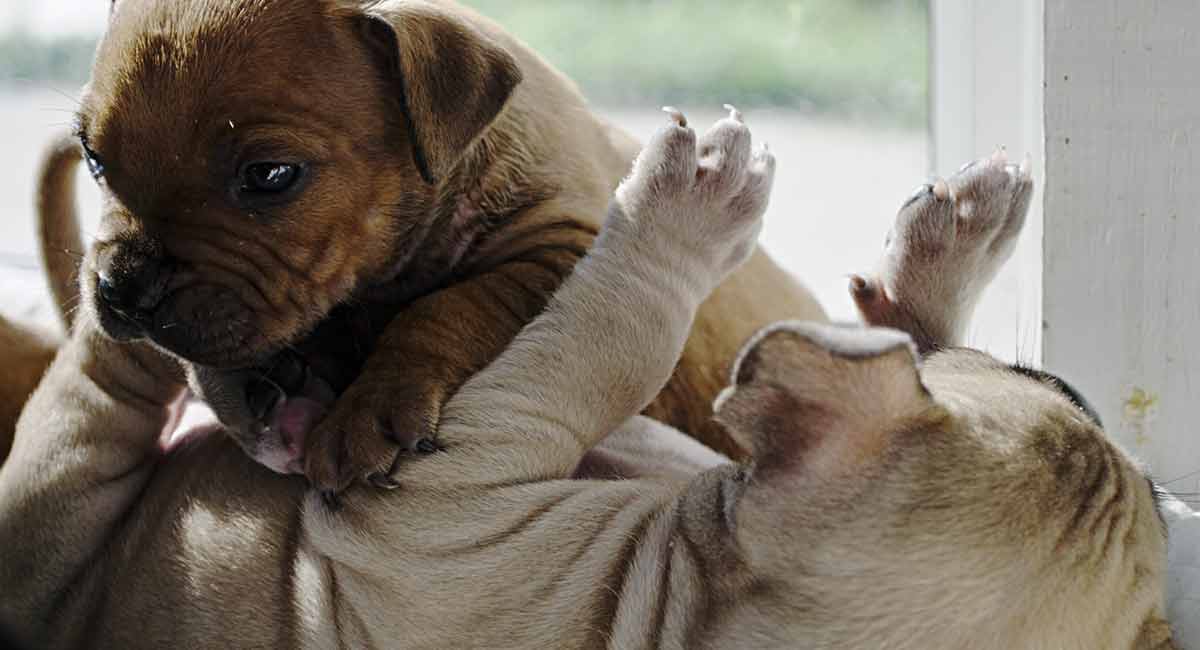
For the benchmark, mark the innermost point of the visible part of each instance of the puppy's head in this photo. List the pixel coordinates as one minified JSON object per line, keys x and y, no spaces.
{"x":261,"y":162}
{"x":958,"y":502}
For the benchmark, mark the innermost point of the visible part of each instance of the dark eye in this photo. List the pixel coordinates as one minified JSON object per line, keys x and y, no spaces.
{"x":269,"y":177}
{"x":95,"y":167}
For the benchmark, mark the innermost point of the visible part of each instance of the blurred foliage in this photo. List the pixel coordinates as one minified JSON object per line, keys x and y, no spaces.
{"x":24,"y":57}
{"x":859,"y":58}
{"x":864,"y":58}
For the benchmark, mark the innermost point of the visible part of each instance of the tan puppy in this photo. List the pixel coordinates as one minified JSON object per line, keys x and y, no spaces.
{"x":271,"y":165}
{"x":885,"y":507}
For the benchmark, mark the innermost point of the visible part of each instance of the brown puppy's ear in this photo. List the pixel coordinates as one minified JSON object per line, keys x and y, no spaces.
{"x":1155,"y":634}
{"x":822,"y":397}
{"x":450,"y":79}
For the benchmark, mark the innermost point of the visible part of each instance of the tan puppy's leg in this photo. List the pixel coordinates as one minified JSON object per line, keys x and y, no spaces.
{"x":677,"y":228}
{"x":949,"y":241}
{"x":80,"y":454}
{"x":488,"y":506}
{"x":679,"y":225}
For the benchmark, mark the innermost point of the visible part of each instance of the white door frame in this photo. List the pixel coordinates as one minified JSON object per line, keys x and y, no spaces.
{"x":1122,"y":289}
{"x":986,"y":83}
{"x":1107,"y":287}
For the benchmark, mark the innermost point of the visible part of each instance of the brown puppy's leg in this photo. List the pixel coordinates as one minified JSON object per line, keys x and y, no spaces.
{"x":949,"y":241}
{"x":424,"y":355}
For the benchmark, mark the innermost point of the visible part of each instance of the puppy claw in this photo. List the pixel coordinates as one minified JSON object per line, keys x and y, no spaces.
{"x":869,"y":297}
{"x":383,"y":481}
{"x":734,"y":113}
{"x":676,"y":115}
{"x":940,"y":189}
{"x":373,"y":428}
{"x":1026,"y":168}
{"x":858,"y":283}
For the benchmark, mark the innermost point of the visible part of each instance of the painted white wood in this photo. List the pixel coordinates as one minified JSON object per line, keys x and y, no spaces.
{"x":986,"y":76}
{"x":1122,"y":281}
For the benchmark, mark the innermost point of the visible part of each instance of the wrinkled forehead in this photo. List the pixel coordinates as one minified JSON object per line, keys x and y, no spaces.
{"x":1009,"y":407}
{"x":168,"y":56}
{"x":976,"y":385}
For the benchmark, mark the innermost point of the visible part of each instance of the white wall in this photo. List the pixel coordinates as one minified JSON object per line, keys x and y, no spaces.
{"x":1122,"y":228}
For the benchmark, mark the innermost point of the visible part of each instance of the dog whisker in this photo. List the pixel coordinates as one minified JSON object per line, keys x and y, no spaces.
{"x":1181,"y":478}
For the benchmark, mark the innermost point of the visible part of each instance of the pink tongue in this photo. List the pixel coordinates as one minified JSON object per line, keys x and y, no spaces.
{"x":294,"y":418}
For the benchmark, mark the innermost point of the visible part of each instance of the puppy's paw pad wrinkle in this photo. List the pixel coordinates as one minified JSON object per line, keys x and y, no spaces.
{"x":725,"y":155}
{"x":665,"y":167}
{"x":703,"y":198}
{"x":948,"y":241}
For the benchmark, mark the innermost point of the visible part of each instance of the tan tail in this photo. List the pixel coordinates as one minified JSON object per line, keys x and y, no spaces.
{"x":61,"y":244}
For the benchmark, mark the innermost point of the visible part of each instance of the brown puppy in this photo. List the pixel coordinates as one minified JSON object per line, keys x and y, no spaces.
{"x":268,"y":163}
{"x":26,"y":353}
{"x":961,"y":504}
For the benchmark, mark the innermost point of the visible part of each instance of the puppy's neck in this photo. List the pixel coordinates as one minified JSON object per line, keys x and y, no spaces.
{"x":486,"y":193}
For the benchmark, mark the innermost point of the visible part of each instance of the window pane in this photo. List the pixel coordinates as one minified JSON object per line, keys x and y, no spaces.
{"x":837,"y":87}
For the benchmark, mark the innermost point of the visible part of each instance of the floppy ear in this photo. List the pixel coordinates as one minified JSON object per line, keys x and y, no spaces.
{"x":822,"y":397}
{"x":451,"y":80}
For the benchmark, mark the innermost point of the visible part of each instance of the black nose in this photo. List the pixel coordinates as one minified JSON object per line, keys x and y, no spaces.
{"x":131,"y":276}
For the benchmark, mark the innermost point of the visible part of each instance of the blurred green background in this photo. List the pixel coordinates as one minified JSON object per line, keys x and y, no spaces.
{"x":860,"y":59}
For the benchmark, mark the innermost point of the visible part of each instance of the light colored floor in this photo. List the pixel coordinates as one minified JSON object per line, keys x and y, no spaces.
{"x":836,"y":192}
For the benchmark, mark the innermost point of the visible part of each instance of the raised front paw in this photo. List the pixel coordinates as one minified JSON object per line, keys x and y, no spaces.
{"x":374,"y":425}
{"x":708,"y":195}
{"x":948,"y":242}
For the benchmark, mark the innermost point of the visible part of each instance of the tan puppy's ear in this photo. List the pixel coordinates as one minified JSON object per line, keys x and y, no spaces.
{"x":1155,"y":634}
{"x":822,"y":397}
{"x":451,"y":80}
